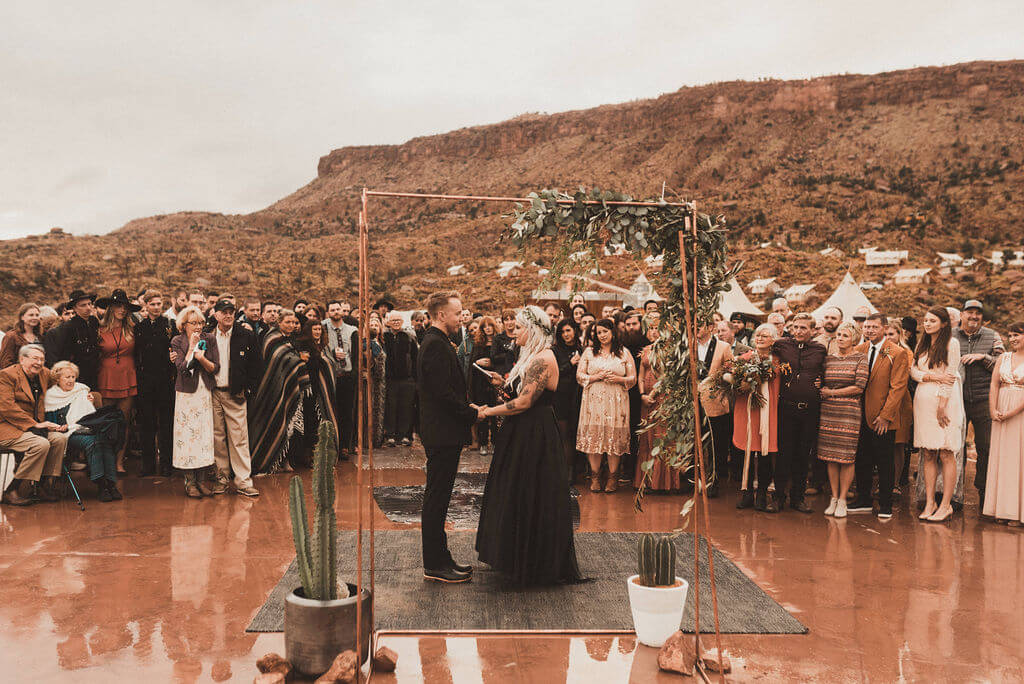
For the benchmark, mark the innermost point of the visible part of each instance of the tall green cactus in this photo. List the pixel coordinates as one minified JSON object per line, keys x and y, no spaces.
{"x":317,"y":555}
{"x":656,"y":560}
{"x":665,"y":562}
{"x":645,"y":559}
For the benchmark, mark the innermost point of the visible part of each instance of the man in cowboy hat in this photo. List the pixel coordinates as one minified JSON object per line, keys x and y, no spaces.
{"x":77,"y":340}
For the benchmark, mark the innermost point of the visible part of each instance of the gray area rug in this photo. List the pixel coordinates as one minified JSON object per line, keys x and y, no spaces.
{"x":405,"y":602}
{"x":405,"y":504}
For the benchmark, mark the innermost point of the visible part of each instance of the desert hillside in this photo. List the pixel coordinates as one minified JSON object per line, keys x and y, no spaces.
{"x":923,"y":160}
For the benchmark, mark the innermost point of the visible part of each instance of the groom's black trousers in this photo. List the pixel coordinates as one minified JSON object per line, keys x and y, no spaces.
{"x":442,"y":465}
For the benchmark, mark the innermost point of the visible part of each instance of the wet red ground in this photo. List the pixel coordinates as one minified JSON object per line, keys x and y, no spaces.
{"x":160,"y":588}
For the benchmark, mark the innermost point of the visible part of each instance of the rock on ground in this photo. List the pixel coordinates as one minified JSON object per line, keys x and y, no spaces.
{"x":677,"y":654}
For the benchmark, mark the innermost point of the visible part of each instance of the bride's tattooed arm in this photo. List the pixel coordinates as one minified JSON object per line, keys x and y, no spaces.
{"x":535,"y":380}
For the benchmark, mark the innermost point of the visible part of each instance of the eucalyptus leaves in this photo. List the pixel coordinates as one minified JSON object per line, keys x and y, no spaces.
{"x":595,"y":219}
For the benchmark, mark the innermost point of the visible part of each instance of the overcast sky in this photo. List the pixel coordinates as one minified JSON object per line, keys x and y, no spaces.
{"x":115,"y":110}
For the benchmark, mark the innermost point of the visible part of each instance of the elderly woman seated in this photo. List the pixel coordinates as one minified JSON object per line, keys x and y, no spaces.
{"x":68,"y":402}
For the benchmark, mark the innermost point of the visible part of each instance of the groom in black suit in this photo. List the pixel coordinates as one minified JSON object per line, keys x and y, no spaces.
{"x":445,"y":420}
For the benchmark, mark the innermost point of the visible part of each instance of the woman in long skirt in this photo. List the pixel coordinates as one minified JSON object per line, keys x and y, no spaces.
{"x":1004,"y":495}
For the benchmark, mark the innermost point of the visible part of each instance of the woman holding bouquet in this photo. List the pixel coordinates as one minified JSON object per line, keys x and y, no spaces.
{"x":846,"y":376}
{"x":763,"y":422}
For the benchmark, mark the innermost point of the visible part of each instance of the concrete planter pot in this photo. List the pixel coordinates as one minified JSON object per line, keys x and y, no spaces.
{"x":315,"y":632}
{"x":657,"y":611}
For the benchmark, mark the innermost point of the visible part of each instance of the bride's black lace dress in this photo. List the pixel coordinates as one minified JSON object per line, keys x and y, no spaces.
{"x":525,"y":520}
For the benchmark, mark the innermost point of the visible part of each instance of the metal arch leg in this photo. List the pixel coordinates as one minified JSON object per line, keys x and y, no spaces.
{"x":74,"y":489}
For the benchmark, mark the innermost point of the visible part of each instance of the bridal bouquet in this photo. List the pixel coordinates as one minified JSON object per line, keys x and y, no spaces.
{"x":739,"y":377}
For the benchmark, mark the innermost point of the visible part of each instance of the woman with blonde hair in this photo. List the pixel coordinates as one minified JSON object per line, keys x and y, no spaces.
{"x":525,"y":528}
{"x":846,"y":376}
{"x":116,"y":381}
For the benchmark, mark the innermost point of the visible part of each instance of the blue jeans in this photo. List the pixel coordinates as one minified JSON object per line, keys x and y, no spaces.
{"x":98,"y":454}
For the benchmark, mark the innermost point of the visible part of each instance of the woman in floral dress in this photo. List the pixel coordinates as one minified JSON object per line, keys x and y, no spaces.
{"x":606,"y":372}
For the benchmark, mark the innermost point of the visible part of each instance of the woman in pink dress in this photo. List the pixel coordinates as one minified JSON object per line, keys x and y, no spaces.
{"x":1004,"y":496}
{"x":764,"y":427}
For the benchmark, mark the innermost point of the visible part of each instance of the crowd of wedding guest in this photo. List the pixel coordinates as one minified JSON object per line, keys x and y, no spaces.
{"x":219,"y":390}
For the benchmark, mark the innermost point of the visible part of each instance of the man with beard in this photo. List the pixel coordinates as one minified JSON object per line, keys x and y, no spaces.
{"x":830,"y":320}
{"x":803,"y":369}
{"x":77,"y":340}
{"x":738,"y":326}
{"x":269,"y":312}
{"x":634,"y":340}
{"x":178,"y":305}
{"x":980,"y":348}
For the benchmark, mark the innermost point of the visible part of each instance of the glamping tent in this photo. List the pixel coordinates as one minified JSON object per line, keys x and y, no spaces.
{"x":735,"y":300}
{"x":848,"y":297}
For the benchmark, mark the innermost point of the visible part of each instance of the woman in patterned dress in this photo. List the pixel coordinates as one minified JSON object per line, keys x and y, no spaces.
{"x":197,"y":361}
{"x":606,"y":372}
{"x":846,"y":376}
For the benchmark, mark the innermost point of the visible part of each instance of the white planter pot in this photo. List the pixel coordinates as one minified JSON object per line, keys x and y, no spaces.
{"x":657,"y":611}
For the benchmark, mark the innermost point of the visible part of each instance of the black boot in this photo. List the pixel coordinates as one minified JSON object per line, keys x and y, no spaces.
{"x":103,"y":490}
{"x":112,"y":488}
{"x":746,"y":500}
{"x":760,"y":501}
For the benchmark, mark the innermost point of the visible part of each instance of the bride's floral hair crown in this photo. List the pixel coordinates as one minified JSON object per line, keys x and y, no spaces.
{"x":529,"y":314}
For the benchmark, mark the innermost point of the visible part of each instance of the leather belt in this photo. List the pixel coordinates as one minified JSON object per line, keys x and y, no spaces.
{"x":801,"y":405}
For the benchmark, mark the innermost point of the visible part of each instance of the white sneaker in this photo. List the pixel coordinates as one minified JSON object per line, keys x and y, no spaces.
{"x":840,"y":509}
{"x":831,"y":506}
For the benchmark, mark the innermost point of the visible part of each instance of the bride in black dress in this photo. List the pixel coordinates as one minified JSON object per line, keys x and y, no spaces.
{"x":525,"y":525}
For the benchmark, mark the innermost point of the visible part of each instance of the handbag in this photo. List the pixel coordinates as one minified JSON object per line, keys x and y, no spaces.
{"x":712,"y":405}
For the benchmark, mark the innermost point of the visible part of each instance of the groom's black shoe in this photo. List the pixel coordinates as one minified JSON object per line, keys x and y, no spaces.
{"x":464,"y":569}
{"x":449,"y":575}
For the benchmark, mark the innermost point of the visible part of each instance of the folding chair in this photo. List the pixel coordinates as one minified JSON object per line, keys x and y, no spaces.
{"x":9,"y":465}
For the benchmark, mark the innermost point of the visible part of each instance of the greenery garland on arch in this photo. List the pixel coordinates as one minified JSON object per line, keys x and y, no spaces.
{"x":585,"y":221}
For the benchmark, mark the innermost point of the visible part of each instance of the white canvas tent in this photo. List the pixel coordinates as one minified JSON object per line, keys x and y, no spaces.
{"x":848,"y":297}
{"x":735,"y":300}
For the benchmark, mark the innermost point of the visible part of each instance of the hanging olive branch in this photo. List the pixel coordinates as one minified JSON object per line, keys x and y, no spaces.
{"x":589,"y":223}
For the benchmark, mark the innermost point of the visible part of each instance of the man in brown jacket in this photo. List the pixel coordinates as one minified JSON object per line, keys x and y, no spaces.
{"x":22,"y":428}
{"x":887,"y":384}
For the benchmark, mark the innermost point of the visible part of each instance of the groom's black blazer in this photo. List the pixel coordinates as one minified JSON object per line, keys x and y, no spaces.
{"x":445,"y":414}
